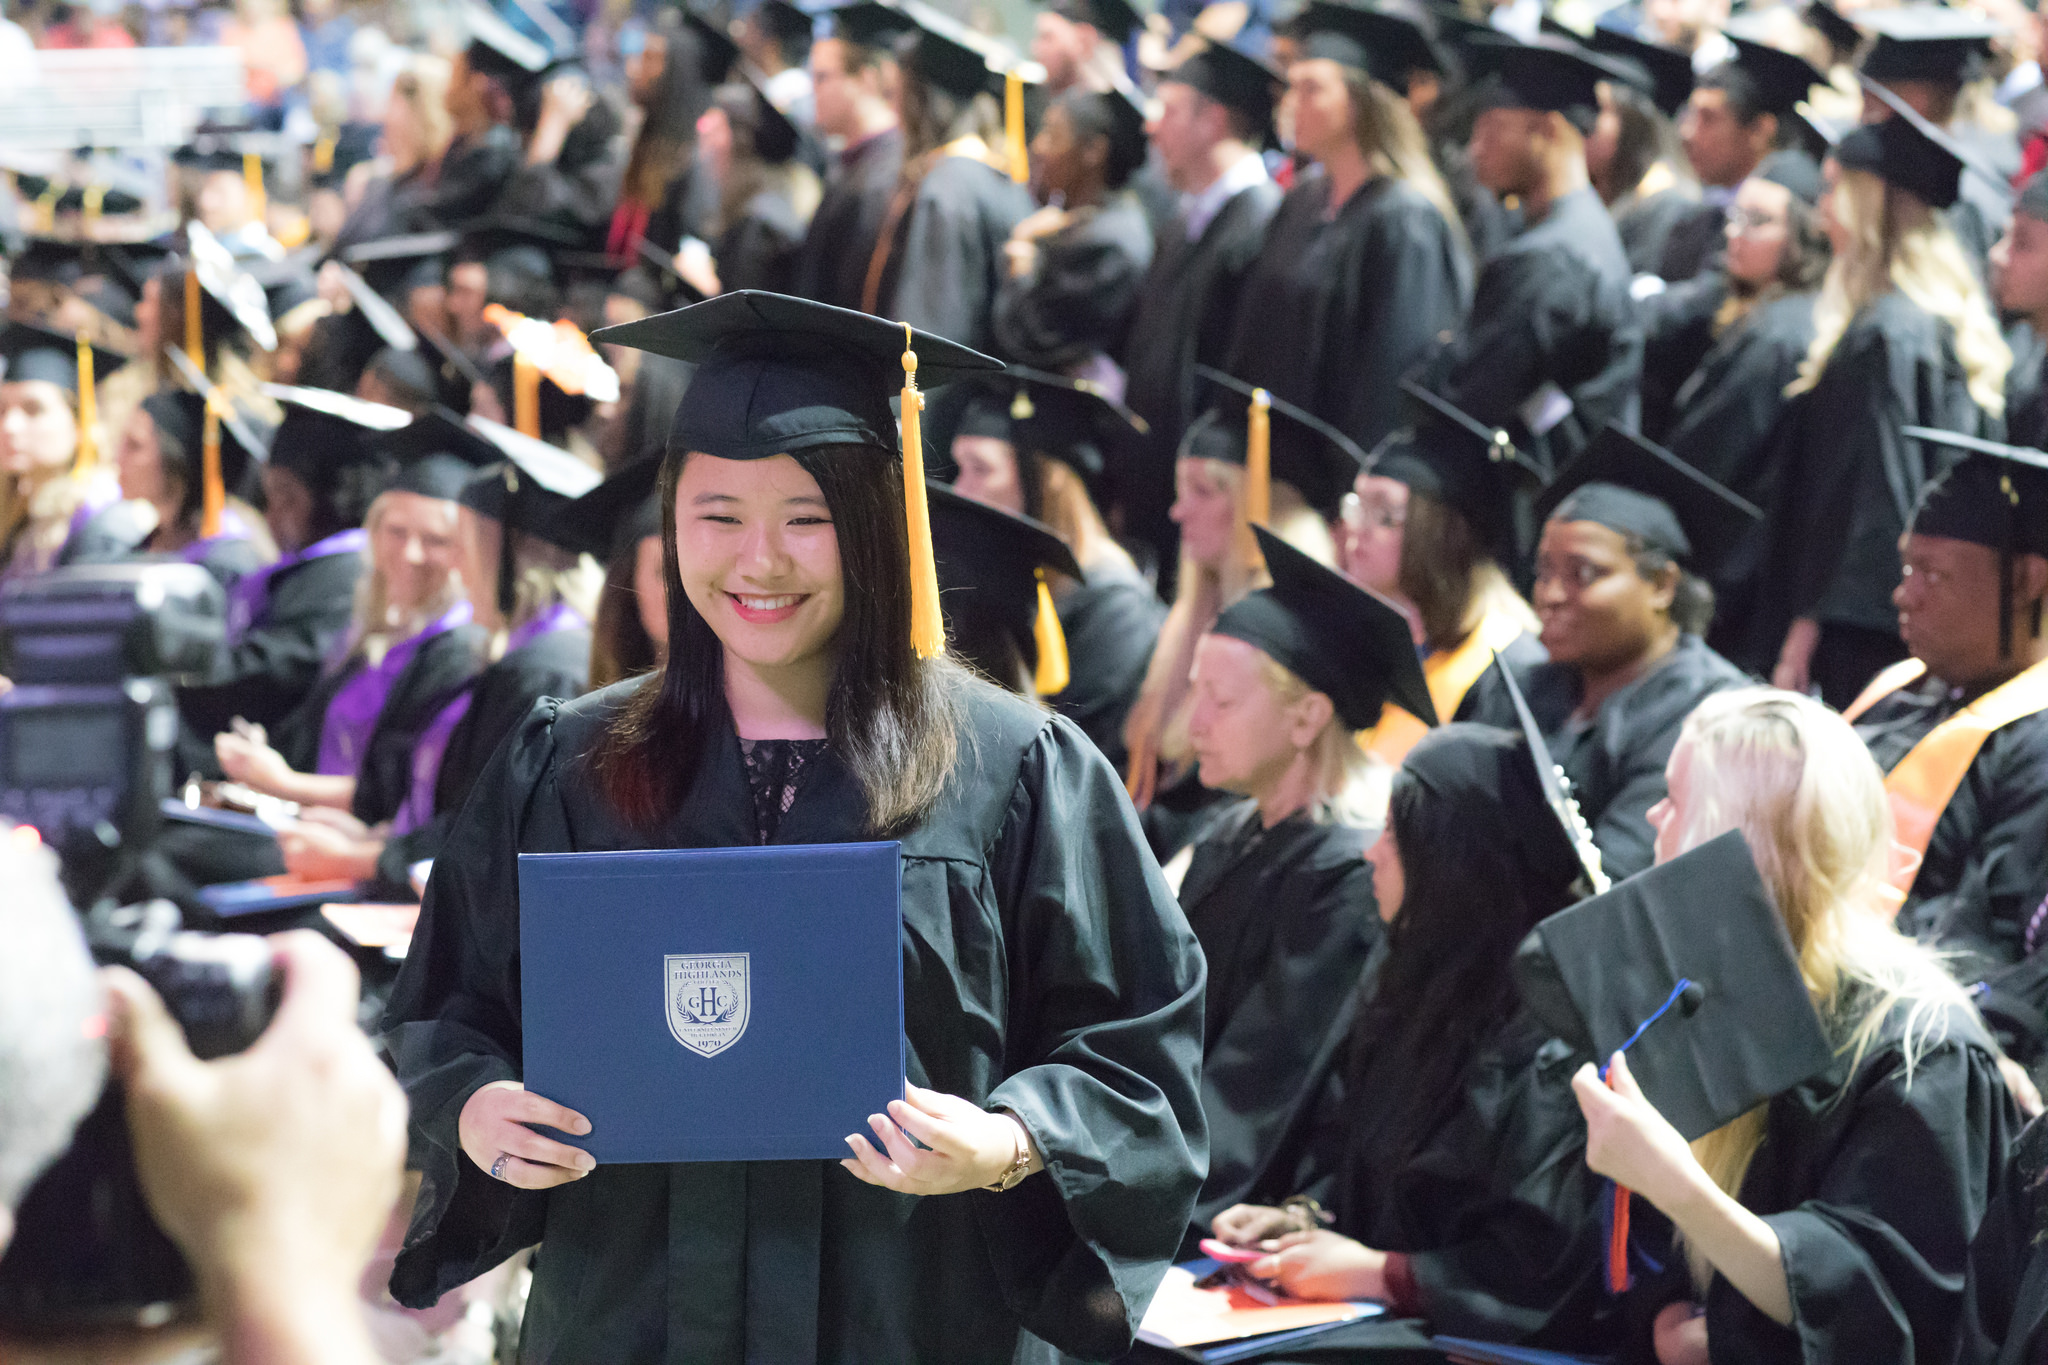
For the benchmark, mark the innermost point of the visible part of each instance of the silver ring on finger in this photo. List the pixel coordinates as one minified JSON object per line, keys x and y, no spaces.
{"x":498,"y":1166}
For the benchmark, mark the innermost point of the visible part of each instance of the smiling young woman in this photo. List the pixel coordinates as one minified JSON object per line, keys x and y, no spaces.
{"x":1052,"y":991}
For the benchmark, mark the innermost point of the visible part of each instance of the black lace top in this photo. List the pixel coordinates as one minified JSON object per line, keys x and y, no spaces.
{"x":775,"y":768}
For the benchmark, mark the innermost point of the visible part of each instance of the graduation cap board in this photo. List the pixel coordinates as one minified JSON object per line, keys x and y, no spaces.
{"x":1996,"y":496}
{"x":72,"y":363}
{"x":1634,"y":486}
{"x":1669,"y":71}
{"x":1052,"y":415}
{"x":1320,"y":461}
{"x":528,"y":491}
{"x":206,"y":421}
{"x":868,"y":23}
{"x":237,"y":292}
{"x":1927,"y":43}
{"x":498,"y":49}
{"x":1549,"y":75}
{"x":1385,"y":45}
{"x":992,"y":564}
{"x":325,"y":433}
{"x":776,"y":375}
{"x":1233,"y":79}
{"x":1782,"y":79}
{"x":1916,"y":156}
{"x":616,"y":513}
{"x":1447,"y":454}
{"x":717,"y":50}
{"x":1343,"y":640}
{"x":1843,"y":36}
{"x":437,"y":453}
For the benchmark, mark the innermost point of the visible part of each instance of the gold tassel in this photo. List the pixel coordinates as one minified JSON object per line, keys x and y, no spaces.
{"x":46,"y":207}
{"x":1013,"y":127}
{"x":927,"y":625}
{"x":95,"y":200}
{"x":1054,"y":672}
{"x":252,"y":176}
{"x":323,"y":155}
{"x":195,"y":330}
{"x":1258,"y":459}
{"x":213,"y":497}
{"x":525,"y":396}
{"x":88,"y":454}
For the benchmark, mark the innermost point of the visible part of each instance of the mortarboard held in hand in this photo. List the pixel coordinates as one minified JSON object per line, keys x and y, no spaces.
{"x":1556,"y":787}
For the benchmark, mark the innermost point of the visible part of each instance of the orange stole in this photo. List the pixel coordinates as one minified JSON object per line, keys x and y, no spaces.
{"x":1449,"y":675}
{"x":1922,"y":782}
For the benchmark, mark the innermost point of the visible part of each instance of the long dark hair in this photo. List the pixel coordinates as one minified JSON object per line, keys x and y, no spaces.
{"x":620,"y":646}
{"x":1480,"y":869}
{"x":891,"y":717}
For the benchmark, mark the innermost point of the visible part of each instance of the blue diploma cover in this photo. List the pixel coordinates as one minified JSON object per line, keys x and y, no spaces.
{"x":719,"y":1004}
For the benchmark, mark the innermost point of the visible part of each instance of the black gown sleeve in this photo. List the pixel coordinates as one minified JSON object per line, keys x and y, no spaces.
{"x":472,"y":174}
{"x":1079,"y":298}
{"x":2005,"y":1291}
{"x":1408,"y":289}
{"x":950,"y":261}
{"x":1106,"y":1026}
{"x":272,"y":668}
{"x":437,"y":672}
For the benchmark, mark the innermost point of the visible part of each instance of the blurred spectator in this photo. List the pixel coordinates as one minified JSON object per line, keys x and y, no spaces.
{"x":93,"y":25}
{"x":271,"y":48}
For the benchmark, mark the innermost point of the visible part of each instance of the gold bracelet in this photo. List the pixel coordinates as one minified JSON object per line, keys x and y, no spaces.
{"x":1013,"y":1175}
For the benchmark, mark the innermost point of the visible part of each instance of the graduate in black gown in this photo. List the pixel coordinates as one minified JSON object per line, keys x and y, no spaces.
{"x":2019,"y":285}
{"x":850,"y":71}
{"x":1904,"y":336}
{"x":161,"y":460}
{"x":1052,"y":992}
{"x":1832,"y":1223}
{"x":1629,"y":535}
{"x":496,"y":70}
{"x":1278,"y":890}
{"x":1552,"y":350}
{"x":991,"y":566}
{"x":1364,"y":267}
{"x":1215,"y":109}
{"x":1970,"y":608}
{"x":56,"y":477}
{"x":1447,"y":1145}
{"x":1075,"y":266}
{"x":1042,"y":445}
{"x":1632,"y":153}
{"x":2005,"y":1292}
{"x":766,"y":193}
{"x":938,"y":258}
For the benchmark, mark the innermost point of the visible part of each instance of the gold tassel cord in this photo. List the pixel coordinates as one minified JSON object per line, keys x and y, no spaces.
{"x":212,"y":490}
{"x":252,"y":177}
{"x":88,"y":455}
{"x":927,"y":625}
{"x":1054,"y":669}
{"x":195,"y":330}
{"x":1258,"y":459}
{"x":1013,"y":127}
{"x":525,"y":396}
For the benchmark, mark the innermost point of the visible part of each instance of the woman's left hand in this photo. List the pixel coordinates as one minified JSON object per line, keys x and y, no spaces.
{"x":1628,"y":1141}
{"x":319,"y":852}
{"x":969,"y":1146}
{"x":1324,"y":1266}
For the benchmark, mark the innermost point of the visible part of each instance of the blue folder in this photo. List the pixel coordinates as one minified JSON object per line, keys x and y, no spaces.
{"x":730,"y":1004}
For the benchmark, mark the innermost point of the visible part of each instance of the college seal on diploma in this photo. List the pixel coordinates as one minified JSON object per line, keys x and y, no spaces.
{"x":706,"y":995}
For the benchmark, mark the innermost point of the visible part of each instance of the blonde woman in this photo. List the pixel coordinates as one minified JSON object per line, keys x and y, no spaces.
{"x":1364,"y":266}
{"x":382,"y":197}
{"x":1903,"y":335}
{"x":1833,"y":1222}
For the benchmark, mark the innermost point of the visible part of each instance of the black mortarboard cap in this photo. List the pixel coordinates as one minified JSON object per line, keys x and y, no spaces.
{"x":498,"y":49}
{"x":1843,"y":36}
{"x":1689,"y":965}
{"x":216,"y":150}
{"x":1320,"y":461}
{"x":1927,"y":43}
{"x":1451,"y":456}
{"x":1386,"y":46}
{"x":1996,"y":495}
{"x":325,"y":433}
{"x":1071,"y":420}
{"x":1669,"y":70}
{"x":1486,"y":775}
{"x":868,"y":23}
{"x":989,"y":562}
{"x":532,"y":485}
{"x":333,"y":155}
{"x":393,"y":265}
{"x":288,"y":285}
{"x":1566,"y":827}
{"x":775,"y":138}
{"x":75,"y":198}
{"x":717,"y":51}
{"x":612,"y":515}
{"x":49,"y":260}
{"x":778,"y":374}
{"x":1341,"y":639}
{"x":1234,"y":80}
{"x":1553,"y":75}
{"x":1796,"y":171}
{"x":1931,"y":163}
{"x":1781,"y":79}
{"x":786,"y":23}
{"x":439,"y":431}
{"x":181,"y":415}
{"x":237,"y":294}
{"x":949,"y":54}
{"x":1633,"y":485}
{"x":248,"y":433}
{"x":1115,"y":19}
{"x":435,"y":476}
{"x":1906,"y":152}
{"x":32,"y":352}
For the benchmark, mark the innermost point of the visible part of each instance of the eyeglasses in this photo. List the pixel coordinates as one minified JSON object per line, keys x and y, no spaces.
{"x":1741,"y":219}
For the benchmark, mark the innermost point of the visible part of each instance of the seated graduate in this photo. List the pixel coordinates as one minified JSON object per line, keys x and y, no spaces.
{"x":1052,"y":992}
{"x":50,"y":444}
{"x":409,"y":648}
{"x":1961,"y":729}
{"x":193,"y":462}
{"x":993,"y":571}
{"x":533,"y":596}
{"x":1430,"y":525}
{"x":1447,"y":1144}
{"x":1041,"y":445}
{"x":1298,"y":481}
{"x":1833,"y":1222}
{"x":286,"y":619}
{"x":1278,"y":890}
{"x":2005,"y":1291}
{"x":1629,"y":530}
{"x":1074,"y":266}
{"x":619,"y":524}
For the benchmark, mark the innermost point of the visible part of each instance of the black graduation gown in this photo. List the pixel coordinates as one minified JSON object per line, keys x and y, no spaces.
{"x":1874,"y":1191}
{"x":1340,"y":307}
{"x":1693,"y":242}
{"x":1852,"y":480}
{"x":1678,"y":332}
{"x":2005,"y":1292}
{"x":439,"y":669}
{"x":946,"y":258}
{"x":1646,"y":225}
{"x":573,"y":196}
{"x":1186,"y":314}
{"x":1286,"y":918}
{"x":759,"y":250}
{"x":1616,"y":762}
{"x":841,"y":241}
{"x":1552,"y":307}
{"x":554,"y":664}
{"x":2026,"y":387}
{"x":1046,"y":970}
{"x":472,"y":174}
{"x":1111,"y":621}
{"x":276,"y":662}
{"x":1077,"y":302}
{"x":1986,"y":865}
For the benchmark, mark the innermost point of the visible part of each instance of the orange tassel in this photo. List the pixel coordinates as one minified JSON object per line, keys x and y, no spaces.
{"x":1054,"y":669}
{"x":1013,"y":127}
{"x":525,"y":396}
{"x":88,"y":412}
{"x":195,"y":330}
{"x":212,"y":490}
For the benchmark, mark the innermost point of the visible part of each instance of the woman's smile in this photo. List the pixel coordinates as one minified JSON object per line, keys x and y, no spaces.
{"x":759,"y":610}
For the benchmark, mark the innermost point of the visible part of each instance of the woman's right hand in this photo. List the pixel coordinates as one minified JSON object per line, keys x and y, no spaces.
{"x":493,"y":1125}
{"x":247,"y":758}
{"x":1247,"y":1225}
{"x":1679,"y":1335}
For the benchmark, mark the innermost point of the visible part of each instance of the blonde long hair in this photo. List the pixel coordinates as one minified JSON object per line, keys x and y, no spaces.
{"x":1897,"y":242}
{"x":1351,"y":786}
{"x":376,"y":623}
{"x":1810,"y":802}
{"x":1388,"y":132}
